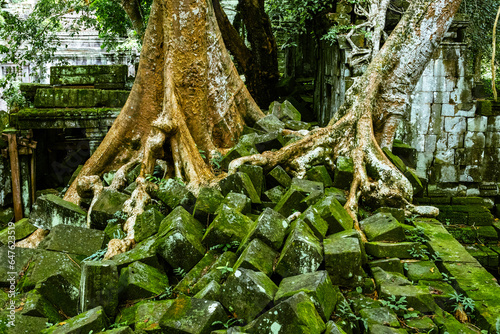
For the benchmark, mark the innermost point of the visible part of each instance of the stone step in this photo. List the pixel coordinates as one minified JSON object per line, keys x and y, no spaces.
{"x":75,"y":98}
{"x":470,"y":278}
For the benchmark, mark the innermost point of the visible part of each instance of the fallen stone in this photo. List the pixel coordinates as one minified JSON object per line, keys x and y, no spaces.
{"x":278,"y":177}
{"x":50,"y":210}
{"x":237,"y":202}
{"x":440,"y":291}
{"x":198,"y":271}
{"x":307,"y":187}
{"x":74,"y":239}
{"x":174,"y":193}
{"x":393,"y":264}
{"x":126,"y":314}
{"x":301,"y":254}
{"x":382,"y":227}
{"x":99,"y":286}
{"x":239,"y":183}
{"x":107,"y":204}
{"x":397,"y":213}
{"x":138,"y":281}
{"x":343,"y":173}
{"x":358,"y":301}
{"x":382,"y":277}
{"x":60,"y":293}
{"x":269,"y":141}
{"x":244,"y":147}
{"x":23,"y":258}
{"x":209,"y":199}
{"x":447,"y":323}
{"x":379,"y":316}
{"x":269,"y":123}
{"x":191,"y":315}
{"x":37,"y":305}
{"x":412,"y":176}
{"x":147,"y":224}
{"x":319,"y":174}
{"x":275,"y":194}
{"x":45,"y":264}
{"x":286,"y":111}
{"x":148,"y":315}
{"x":210,"y":292}
{"x":334,"y":214}
{"x":380,"y":329}
{"x":423,"y":325}
{"x":227,"y":227}
{"x":333,"y":328}
{"x":402,"y":250}
{"x":247,"y":292}
{"x":216,"y":273}
{"x":26,"y":324}
{"x":180,"y":233}
{"x":119,"y":330}
{"x":317,"y":224}
{"x":316,"y":285}
{"x":270,"y":227}
{"x":338,"y":194}
{"x":92,"y":321}
{"x":257,"y":256}
{"x":296,"y":314}
{"x":423,"y":270}
{"x":417,"y":297}
{"x":292,"y":201}
{"x":343,"y":260}
{"x":144,"y":252}
{"x":22,"y":228}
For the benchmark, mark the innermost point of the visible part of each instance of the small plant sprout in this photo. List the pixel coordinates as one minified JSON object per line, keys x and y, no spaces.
{"x":180,"y":272}
{"x":225,"y":269}
{"x":226,"y":247}
{"x":394,"y":304}
{"x":230,"y":323}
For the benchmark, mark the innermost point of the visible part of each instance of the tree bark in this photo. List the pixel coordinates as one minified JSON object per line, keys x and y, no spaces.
{"x":187,"y":97}
{"x":372,"y":110}
{"x":259,"y":63}
{"x":134,"y":12}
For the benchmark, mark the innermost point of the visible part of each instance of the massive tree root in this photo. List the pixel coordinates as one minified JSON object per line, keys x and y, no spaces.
{"x":369,"y":118}
{"x":187,"y":98}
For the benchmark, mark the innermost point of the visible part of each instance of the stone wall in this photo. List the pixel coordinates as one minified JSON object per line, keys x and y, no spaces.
{"x":457,"y":145}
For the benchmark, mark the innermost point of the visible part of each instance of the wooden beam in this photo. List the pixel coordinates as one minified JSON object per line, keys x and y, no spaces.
{"x":16,"y":177}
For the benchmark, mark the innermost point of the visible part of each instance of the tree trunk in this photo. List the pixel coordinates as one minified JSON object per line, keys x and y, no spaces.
{"x":134,"y":12}
{"x":259,"y":63}
{"x":187,"y":97}
{"x":372,"y":110}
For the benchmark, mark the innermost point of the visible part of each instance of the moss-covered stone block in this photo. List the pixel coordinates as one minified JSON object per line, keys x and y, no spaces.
{"x":423,"y":270}
{"x":412,"y":176}
{"x":319,"y":174}
{"x":382,"y":227}
{"x":402,"y":250}
{"x":191,"y":315}
{"x":99,"y":285}
{"x":239,"y":183}
{"x":343,"y":173}
{"x":24,"y":324}
{"x":392,"y":264}
{"x":317,"y":224}
{"x":148,"y":315}
{"x":241,"y":149}
{"x":269,"y":123}
{"x":287,"y":111}
{"x":120,"y":330}
{"x":147,"y":224}
{"x":237,"y":202}
{"x":227,"y":227}
{"x":144,"y":252}
{"x":381,"y":329}
{"x":126,"y":314}
{"x":484,"y":108}
{"x":440,"y":291}
{"x":50,"y":210}
{"x":199,"y":270}
{"x":343,"y":259}
{"x":275,"y":194}
{"x":334,"y":214}
{"x":380,"y":316}
{"x":257,"y":256}
{"x":247,"y":292}
{"x":417,"y":297}
{"x":296,"y":314}
{"x":317,"y":285}
{"x":23,"y":258}
{"x":397,"y":213}
{"x":269,"y":141}
{"x":383,"y":277}
{"x":216,"y":273}
{"x":270,"y":227}
{"x":333,"y":328}
{"x":301,"y":254}
{"x":278,"y":177}
{"x":212,"y":291}
{"x":209,"y":199}
{"x":423,"y":325}
{"x":37,"y":305}
{"x":338,"y":194}
{"x":45,"y":264}
{"x":74,"y":239}
{"x":174,"y":193}
{"x":292,"y":201}
{"x":307,"y":187}
{"x":61,"y":293}
{"x":93,"y":320}
{"x":138,"y":281}
{"x":447,"y":323}
{"x":180,"y":233}
{"x":22,"y":229}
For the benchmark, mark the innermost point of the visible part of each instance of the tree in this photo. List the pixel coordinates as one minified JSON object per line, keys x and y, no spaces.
{"x":188,"y":97}
{"x":259,"y":62}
